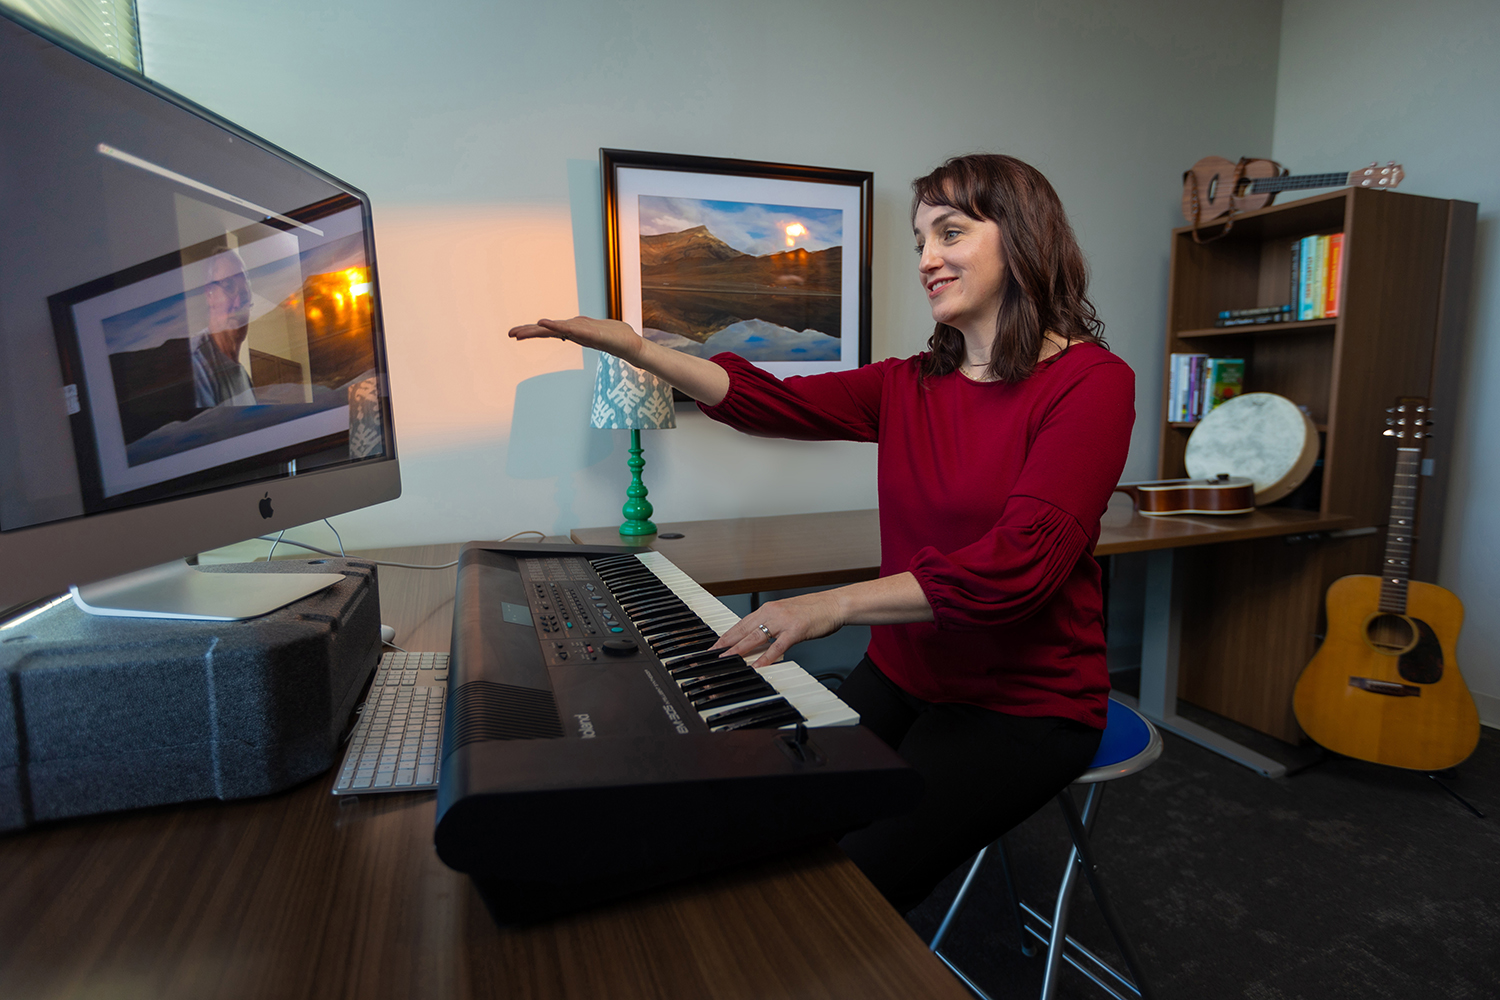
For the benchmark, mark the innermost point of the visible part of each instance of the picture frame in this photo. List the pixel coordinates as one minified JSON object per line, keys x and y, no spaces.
{"x":770,"y":261}
{"x":126,"y":343}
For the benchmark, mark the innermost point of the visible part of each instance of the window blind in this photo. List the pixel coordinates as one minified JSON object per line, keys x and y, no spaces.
{"x":109,"y":27}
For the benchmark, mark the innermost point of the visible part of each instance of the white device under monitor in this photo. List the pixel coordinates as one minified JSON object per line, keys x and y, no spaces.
{"x":191,"y":348}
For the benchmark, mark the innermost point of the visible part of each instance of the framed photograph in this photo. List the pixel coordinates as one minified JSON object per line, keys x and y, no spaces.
{"x":768,"y":261}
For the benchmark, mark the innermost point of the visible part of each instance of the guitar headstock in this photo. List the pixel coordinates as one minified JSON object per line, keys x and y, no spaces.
{"x":1409,"y":419}
{"x":1376,"y":176}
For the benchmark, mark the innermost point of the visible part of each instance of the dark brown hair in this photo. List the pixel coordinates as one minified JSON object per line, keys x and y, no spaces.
{"x":1046,"y":277}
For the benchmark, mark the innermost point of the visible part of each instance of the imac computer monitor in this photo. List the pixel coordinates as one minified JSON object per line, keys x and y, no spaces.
{"x":190,"y":331}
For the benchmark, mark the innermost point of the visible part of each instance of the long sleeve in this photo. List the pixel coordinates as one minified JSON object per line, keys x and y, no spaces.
{"x":837,"y":406}
{"x":1051,"y":518}
{"x":991,"y":495}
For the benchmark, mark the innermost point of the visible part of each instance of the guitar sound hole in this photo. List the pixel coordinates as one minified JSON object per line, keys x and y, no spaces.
{"x":1390,"y":634}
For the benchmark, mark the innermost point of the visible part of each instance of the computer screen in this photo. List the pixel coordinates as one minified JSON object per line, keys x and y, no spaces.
{"x":191,"y":348}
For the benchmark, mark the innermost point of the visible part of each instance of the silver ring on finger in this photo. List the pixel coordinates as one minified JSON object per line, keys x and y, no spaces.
{"x":767,"y":632}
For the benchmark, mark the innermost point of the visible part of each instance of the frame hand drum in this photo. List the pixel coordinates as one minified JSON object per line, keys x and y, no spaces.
{"x":1261,"y":436}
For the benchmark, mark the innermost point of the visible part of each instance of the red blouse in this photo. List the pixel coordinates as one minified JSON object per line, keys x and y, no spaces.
{"x":991,"y":495}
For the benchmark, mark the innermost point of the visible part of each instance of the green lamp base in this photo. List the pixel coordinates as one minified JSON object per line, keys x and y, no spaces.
{"x":637,"y":509}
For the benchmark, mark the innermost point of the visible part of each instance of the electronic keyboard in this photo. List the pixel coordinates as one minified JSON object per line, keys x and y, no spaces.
{"x":595,"y":745}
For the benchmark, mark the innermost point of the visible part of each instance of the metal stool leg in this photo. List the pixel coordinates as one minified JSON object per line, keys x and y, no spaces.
{"x":958,"y":902}
{"x":1027,"y":948}
{"x":1084,"y":856}
{"x":1057,"y":944}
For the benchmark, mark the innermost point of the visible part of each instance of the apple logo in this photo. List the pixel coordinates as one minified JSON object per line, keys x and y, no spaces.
{"x":265,"y":506}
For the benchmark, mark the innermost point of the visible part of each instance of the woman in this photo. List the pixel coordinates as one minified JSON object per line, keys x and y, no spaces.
{"x":998,"y":450}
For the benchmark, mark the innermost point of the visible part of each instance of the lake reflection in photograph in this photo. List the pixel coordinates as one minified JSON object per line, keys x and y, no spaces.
{"x":763,"y":281}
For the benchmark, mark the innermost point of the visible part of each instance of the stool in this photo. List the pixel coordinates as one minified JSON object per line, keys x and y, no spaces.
{"x":1130,"y":744}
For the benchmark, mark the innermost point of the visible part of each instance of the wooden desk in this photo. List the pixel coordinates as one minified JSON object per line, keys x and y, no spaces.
{"x":303,"y":895}
{"x":806,"y":550}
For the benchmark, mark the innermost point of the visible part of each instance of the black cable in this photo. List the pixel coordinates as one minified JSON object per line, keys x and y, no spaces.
{"x":313,"y":548}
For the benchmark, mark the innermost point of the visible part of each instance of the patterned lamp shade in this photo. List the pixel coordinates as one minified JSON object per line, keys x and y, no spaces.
{"x":626,"y":398}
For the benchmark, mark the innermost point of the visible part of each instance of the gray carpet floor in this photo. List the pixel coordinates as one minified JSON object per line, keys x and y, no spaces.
{"x":1345,"y":879}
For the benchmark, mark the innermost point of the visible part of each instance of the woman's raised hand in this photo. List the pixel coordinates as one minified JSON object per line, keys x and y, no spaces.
{"x":608,"y":335}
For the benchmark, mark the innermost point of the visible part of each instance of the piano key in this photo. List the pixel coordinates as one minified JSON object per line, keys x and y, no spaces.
{"x":727,"y":691}
{"x":771,"y":710}
{"x":805,"y":694}
{"x":734,"y":665}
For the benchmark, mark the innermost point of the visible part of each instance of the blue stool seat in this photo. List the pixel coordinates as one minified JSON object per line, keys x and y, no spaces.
{"x":1129,"y":744}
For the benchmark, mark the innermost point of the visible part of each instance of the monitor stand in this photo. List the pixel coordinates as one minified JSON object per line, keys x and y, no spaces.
{"x":177,"y":590}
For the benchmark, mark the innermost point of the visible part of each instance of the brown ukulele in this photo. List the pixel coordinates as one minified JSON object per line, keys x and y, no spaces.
{"x":1385,"y":685}
{"x":1216,"y":188}
{"x":1224,"y":494}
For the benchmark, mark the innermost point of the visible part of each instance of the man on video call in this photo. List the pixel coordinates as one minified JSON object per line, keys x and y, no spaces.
{"x":218,"y":376}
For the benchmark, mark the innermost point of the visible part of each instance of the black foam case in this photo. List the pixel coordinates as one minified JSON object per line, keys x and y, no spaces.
{"x":99,"y":714}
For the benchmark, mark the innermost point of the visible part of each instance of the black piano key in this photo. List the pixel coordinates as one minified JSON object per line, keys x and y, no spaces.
{"x":702,"y":683}
{"x":688,"y":659}
{"x":678,"y":635}
{"x":702,"y":667}
{"x":733,"y":693}
{"x":693,"y":683}
{"x":686,"y":646}
{"x":644,"y":605}
{"x":641,"y":594}
{"x":765,"y":714}
{"x":666,"y":620}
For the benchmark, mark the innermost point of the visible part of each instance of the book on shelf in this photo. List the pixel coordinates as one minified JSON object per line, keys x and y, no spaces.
{"x":1317,"y":264}
{"x":1332,"y":275}
{"x":1197,"y":383}
{"x":1260,"y":314}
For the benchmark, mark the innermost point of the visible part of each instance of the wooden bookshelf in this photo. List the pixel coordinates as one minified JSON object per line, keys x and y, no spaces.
{"x":1406,"y":264}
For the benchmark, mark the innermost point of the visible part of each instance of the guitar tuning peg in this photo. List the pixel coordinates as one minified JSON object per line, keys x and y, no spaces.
{"x":1389,"y":433}
{"x":1390,"y":409}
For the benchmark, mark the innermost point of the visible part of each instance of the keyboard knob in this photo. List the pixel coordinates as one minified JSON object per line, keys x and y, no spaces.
{"x":620,"y":647}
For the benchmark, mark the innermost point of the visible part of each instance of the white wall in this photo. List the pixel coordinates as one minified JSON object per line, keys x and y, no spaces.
{"x":475,"y":127}
{"x":1418,"y":83}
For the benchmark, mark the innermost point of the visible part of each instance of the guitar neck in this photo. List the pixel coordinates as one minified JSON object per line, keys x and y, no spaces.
{"x":1296,"y":182}
{"x":1399,"y":533}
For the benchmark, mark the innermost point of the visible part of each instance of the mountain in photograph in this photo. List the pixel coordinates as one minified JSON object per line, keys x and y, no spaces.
{"x":693,"y":284}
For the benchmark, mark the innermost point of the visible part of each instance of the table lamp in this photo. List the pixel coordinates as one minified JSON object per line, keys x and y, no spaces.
{"x":627,"y":398}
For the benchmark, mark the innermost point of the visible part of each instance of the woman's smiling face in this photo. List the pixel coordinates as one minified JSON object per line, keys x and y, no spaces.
{"x":962,"y":267}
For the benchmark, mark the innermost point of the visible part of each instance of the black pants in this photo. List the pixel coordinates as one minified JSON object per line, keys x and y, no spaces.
{"x":985,"y":773}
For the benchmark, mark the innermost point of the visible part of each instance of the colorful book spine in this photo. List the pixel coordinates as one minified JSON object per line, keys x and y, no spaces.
{"x":1305,"y":257}
{"x":1180,"y":388}
{"x":1296,"y":287}
{"x":1334,"y":275}
{"x":1226,"y":380}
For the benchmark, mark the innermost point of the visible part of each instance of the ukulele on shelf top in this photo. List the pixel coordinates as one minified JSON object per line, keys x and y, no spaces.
{"x":1215,"y":188}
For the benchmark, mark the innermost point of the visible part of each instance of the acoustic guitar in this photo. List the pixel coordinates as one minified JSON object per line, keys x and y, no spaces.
{"x":1385,"y":685}
{"x":1216,"y":188}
